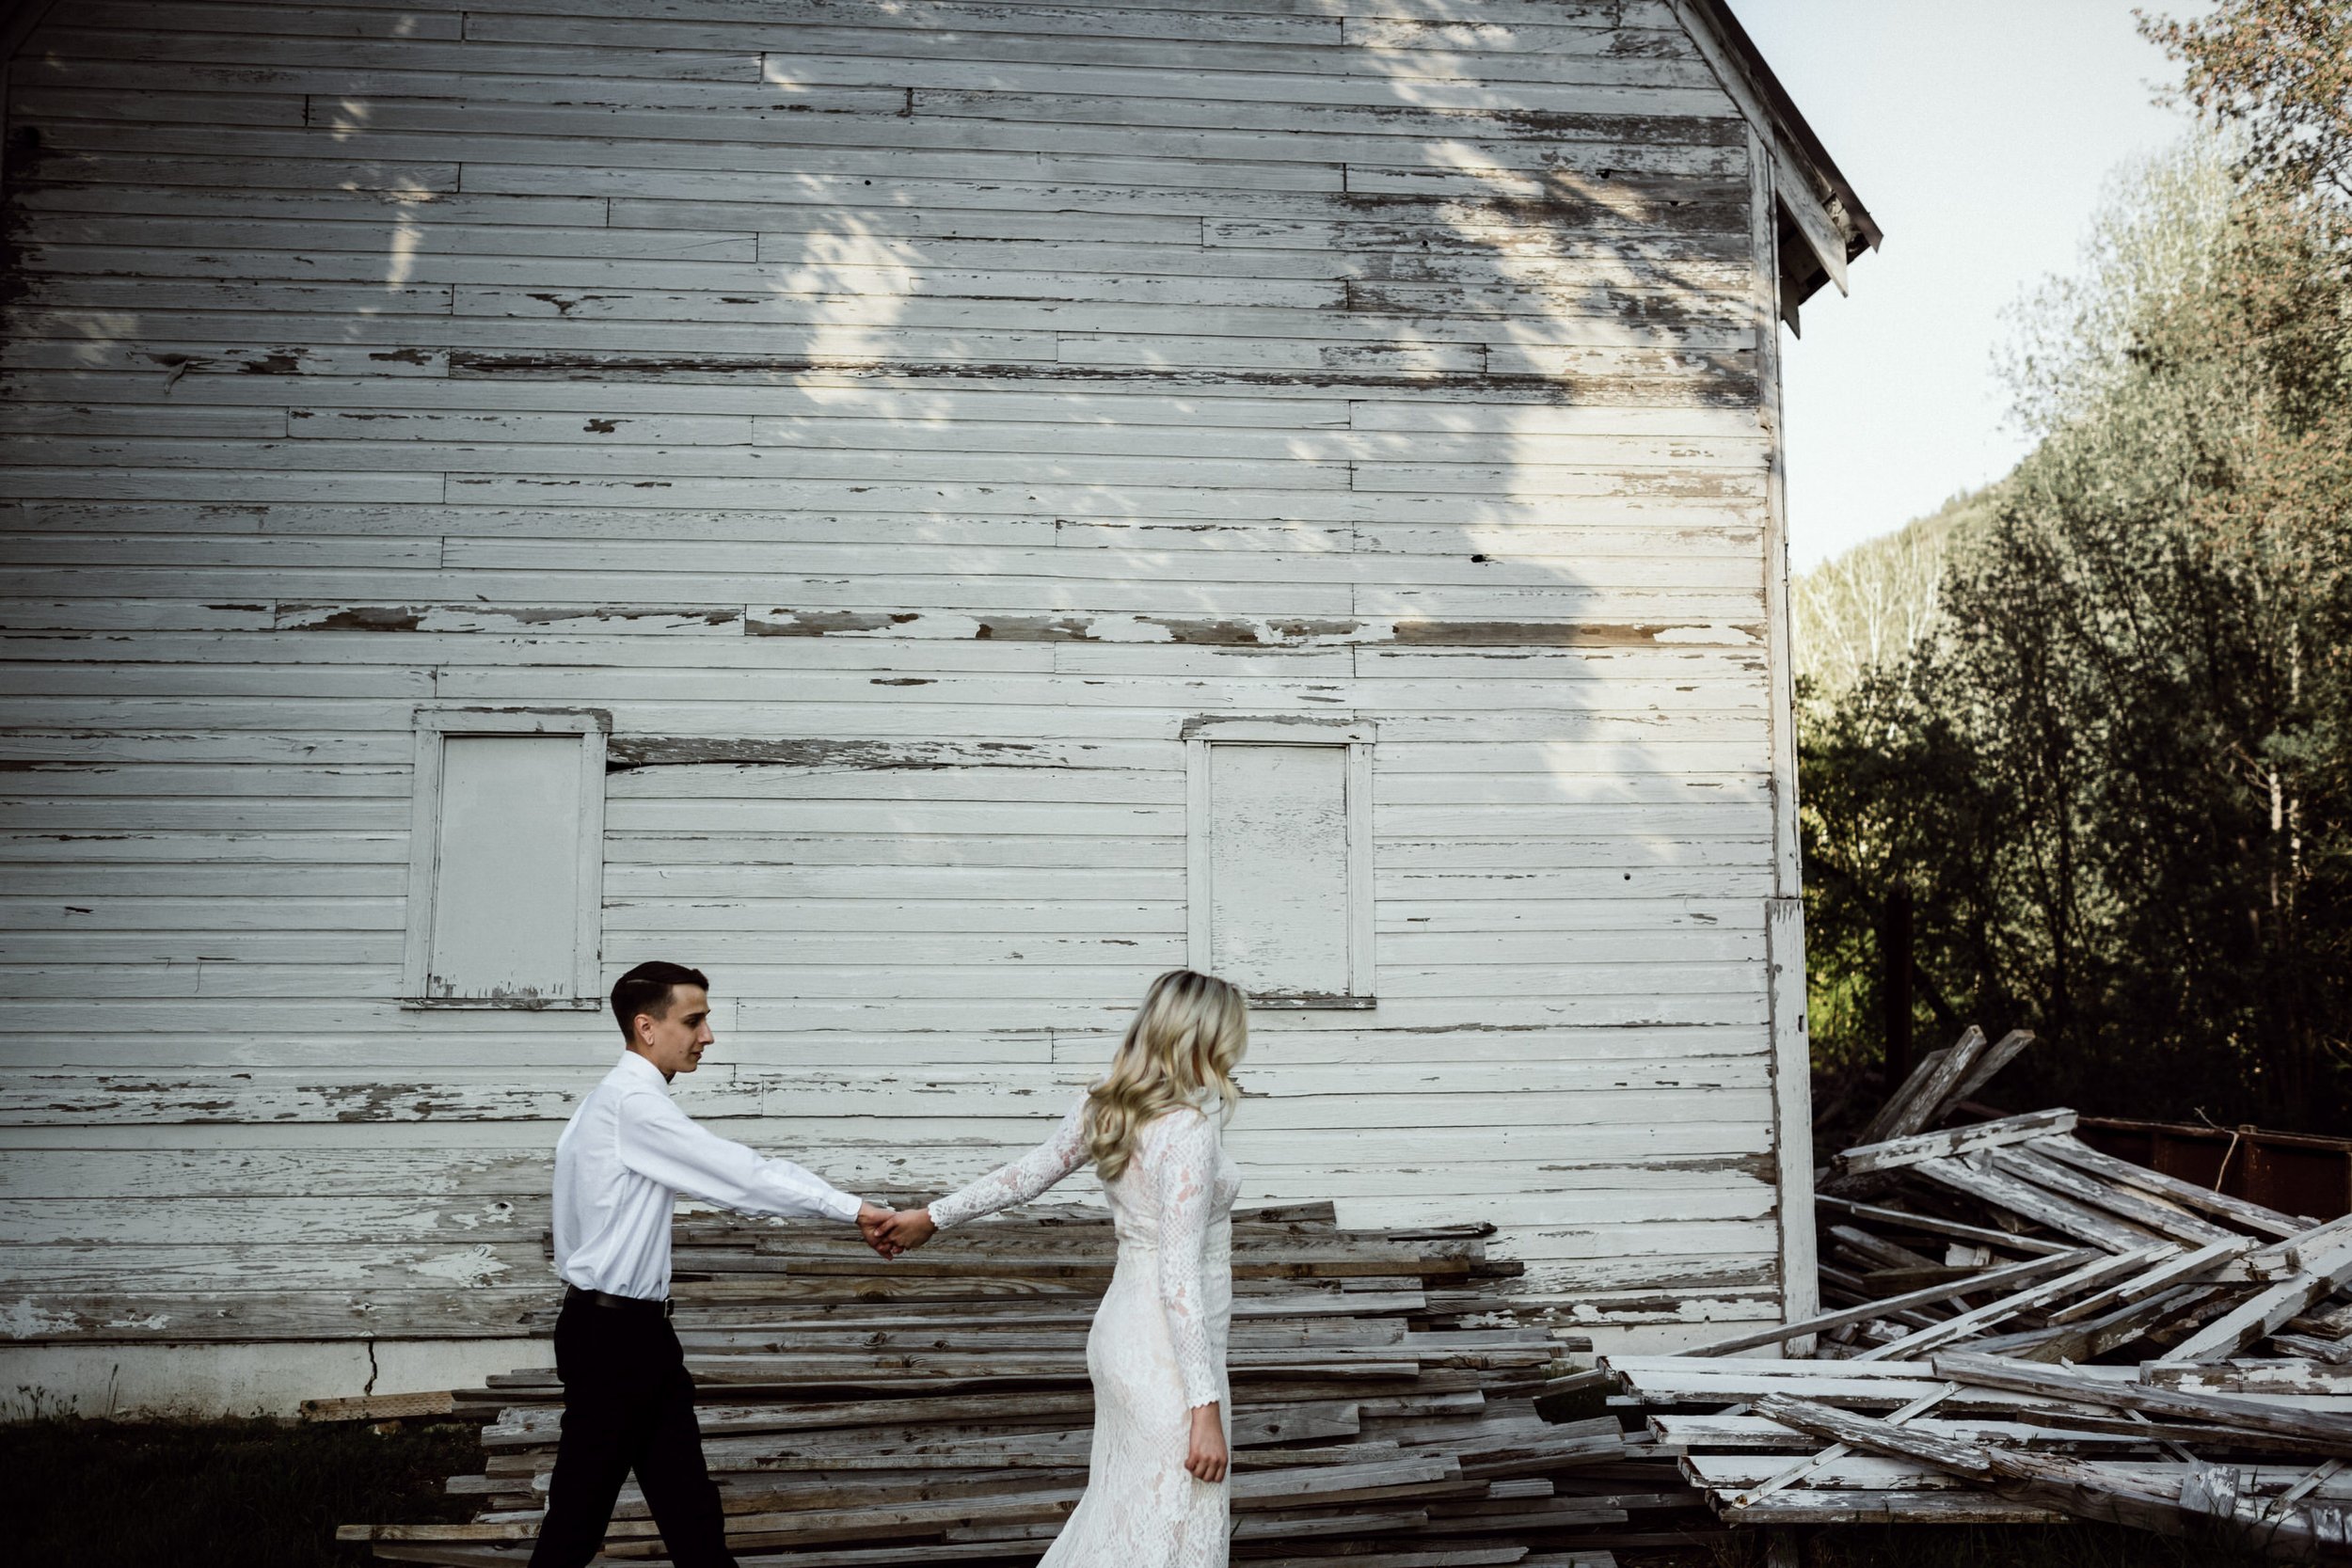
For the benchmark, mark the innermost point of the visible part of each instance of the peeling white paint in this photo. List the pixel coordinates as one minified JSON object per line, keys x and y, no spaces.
{"x":26,"y":1320}
{"x":898,"y":733}
{"x":469,"y":1270}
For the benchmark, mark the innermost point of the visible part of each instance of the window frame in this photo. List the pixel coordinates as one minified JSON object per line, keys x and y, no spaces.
{"x":1357,"y":736}
{"x":433,"y":726}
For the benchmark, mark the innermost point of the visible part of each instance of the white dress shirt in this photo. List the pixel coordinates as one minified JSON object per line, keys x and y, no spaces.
{"x":624,"y":1158}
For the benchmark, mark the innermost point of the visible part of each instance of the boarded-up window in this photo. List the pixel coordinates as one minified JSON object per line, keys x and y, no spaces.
{"x":507,"y":864}
{"x":1280,"y":823}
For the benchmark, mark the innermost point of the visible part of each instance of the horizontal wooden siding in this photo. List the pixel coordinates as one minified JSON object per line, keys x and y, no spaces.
{"x":900,"y":421}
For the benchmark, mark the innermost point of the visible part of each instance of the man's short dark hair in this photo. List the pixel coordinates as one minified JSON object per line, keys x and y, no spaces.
{"x":646,"y":989}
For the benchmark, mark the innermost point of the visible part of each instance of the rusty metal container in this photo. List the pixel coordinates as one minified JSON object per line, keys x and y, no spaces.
{"x":2293,"y":1172}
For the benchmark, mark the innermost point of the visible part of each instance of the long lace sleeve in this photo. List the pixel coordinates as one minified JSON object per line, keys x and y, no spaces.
{"x":1180,"y":1157}
{"x":1024,"y":1179}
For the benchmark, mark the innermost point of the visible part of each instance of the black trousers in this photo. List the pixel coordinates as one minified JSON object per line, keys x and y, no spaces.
{"x":628,"y":1405}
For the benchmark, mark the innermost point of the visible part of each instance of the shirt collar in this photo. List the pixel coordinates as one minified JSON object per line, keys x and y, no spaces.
{"x":634,"y":1067}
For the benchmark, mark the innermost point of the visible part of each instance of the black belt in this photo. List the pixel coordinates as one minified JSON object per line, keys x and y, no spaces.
{"x":619,"y":1303}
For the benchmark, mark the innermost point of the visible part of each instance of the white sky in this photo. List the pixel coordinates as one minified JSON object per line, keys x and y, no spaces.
{"x":1978,"y":133}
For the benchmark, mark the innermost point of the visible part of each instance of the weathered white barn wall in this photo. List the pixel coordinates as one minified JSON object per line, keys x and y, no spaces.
{"x":111,"y":1378}
{"x":897,"y":423}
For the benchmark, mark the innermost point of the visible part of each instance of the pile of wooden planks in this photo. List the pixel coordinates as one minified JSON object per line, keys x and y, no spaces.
{"x":935,"y":1410}
{"x":2022,"y":1328}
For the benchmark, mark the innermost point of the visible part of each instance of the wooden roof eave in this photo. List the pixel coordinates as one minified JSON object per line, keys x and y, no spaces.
{"x":1823,"y":223}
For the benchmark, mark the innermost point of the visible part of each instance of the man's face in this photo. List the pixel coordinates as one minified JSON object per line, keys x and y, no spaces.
{"x":675,"y":1041}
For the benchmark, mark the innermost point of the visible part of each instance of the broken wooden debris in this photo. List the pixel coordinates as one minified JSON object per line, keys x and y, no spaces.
{"x":2019,"y":1328}
{"x":936,"y":1410}
{"x":2014,"y":1274}
{"x":1898,"y":1152}
{"x":2157,"y":1497}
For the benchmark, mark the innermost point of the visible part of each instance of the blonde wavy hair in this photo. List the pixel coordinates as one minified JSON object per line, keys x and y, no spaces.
{"x":1186,"y":1038}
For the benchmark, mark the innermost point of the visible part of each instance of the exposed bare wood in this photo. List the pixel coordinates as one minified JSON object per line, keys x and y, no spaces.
{"x":2253,"y":1216}
{"x":1898,"y":1152}
{"x":1922,"y":1095}
{"x":2028,"y":1163}
{"x":2321,"y":1271}
{"x":1990,"y":1279}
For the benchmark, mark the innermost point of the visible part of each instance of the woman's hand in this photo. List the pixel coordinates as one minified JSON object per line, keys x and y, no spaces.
{"x":1206,"y":1459}
{"x":904,"y":1231}
{"x":871,"y":1217}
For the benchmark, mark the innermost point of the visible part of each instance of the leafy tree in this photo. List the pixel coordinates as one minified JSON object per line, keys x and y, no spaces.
{"x":2112,"y":776}
{"x":1868,"y":607}
{"x":2280,"y":70}
{"x":2145,"y":652}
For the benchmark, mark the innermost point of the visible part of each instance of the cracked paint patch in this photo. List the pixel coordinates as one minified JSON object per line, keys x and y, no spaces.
{"x":469,"y":1270}
{"x":26,"y":1320}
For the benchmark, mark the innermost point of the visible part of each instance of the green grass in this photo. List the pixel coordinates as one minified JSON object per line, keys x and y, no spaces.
{"x":252,"y":1493}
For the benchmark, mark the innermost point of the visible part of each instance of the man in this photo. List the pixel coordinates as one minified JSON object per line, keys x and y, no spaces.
{"x":627,"y":1154}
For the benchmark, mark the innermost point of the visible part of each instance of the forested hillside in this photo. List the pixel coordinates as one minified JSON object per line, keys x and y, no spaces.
{"x":1868,"y":607}
{"x":2080,"y":744}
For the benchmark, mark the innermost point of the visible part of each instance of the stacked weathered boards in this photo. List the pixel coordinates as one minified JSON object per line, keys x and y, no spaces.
{"x":935,"y":1409}
{"x":2022,"y":1328}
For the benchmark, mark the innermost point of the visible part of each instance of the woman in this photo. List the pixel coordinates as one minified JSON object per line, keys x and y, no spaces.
{"x":1155,"y":1495}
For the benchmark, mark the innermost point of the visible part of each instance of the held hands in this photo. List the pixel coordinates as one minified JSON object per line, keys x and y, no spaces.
{"x":1206,"y":1455}
{"x":891,"y":1233}
{"x":870,"y":1219}
{"x":903,"y":1231}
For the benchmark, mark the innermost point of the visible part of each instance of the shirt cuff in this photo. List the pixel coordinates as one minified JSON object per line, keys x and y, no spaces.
{"x":841,"y":1206}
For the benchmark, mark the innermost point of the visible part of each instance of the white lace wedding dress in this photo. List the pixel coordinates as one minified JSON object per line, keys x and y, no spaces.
{"x":1157,"y":1347}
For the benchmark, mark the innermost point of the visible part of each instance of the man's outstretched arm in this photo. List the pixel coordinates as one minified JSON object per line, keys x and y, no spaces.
{"x":663,"y":1143}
